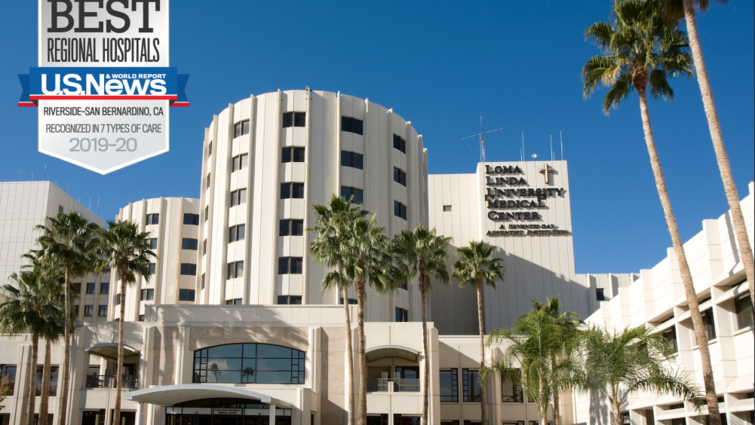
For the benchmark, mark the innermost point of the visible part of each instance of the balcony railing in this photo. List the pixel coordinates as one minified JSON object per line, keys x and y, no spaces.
{"x":108,"y":381}
{"x":396,"y":385}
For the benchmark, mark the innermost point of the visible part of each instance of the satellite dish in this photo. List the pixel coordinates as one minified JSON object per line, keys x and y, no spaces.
{"x":534,"y":155}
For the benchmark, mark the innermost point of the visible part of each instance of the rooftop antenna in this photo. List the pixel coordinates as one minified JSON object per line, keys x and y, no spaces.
{"x":98,"y":206}
{"x":44,"y":176}
{"x":523,"y":154}
{"x":32,"y":176}
{"x":562,"y":144}
{"x":482,"y":140}
{"x":19,"y":175}
{"x":68,"y":187}
{"x":90,"y":204}
{"x":79,"y":197}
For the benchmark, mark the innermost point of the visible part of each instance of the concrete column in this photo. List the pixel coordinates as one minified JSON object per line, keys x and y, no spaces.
{"x":272,"y":414}
{"x":140,"y":413}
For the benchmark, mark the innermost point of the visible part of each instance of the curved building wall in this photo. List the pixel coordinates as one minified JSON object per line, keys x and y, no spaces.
{"x":318,"y":127}
{"x":176,"y":263}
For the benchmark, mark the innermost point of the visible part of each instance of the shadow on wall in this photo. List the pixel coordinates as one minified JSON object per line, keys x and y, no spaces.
{"x":599,"y":410}
{"x":454,"y":309}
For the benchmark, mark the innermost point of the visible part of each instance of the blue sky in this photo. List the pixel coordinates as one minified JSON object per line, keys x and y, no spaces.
{"x":441,"y":65}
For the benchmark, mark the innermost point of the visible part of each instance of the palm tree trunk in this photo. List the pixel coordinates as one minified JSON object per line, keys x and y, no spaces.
{"x":615,"y":413}
{"x":689,"y":289}
{"x":543,"y":403}
{"x":426,"y":348}
{"x":119,"y":368}
{"x":737,"y":219}
{"x":67,"y":349}
{"x":481,"y":319}
{"x":33,"y":385}
{"x":45,"y":401}
{"x":362,"y":361}
{"x":350,"y":358}
{"x":556,"y":409}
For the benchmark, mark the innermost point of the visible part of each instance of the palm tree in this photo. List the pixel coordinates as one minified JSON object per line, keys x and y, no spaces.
{"x":533,"y":339}
{"x":28,"y":310}
{"x":367,"y":262}
{"x":562,"y":357}
{"x":618,"y":364}
{"x":685,"y":9}
{"x":127,"y":252}
{"x":478,"y":267}
{"x":422,"y":251}
{"x":641,"y":50}
{"x":330,"y":229}
{"x":69,"y":239}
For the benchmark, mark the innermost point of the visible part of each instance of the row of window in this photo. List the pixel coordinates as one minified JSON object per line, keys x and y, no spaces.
{"x":91,"y":288}
{"x":511,"y":392}
{"x":89,"y":310}
{"x":249,"y":363}
{"x":190,"y":219}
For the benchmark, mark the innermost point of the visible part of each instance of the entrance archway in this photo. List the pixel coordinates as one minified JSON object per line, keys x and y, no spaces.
{"x":224,"y":411}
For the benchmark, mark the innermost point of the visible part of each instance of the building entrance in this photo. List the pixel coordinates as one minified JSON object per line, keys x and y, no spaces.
{"x":224,"y":411}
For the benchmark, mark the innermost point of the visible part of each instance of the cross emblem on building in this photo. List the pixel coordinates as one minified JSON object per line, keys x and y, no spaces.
{"x":546,"y":171}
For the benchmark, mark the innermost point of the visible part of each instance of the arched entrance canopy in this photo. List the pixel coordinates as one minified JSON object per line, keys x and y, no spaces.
{"x":109,"y":350}
{"x":174,"y":394}
{"x":391,"y":351}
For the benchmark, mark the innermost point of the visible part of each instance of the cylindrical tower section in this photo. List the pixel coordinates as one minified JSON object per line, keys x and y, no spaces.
{"x":173,"y":224}
{"x":268,"y":159}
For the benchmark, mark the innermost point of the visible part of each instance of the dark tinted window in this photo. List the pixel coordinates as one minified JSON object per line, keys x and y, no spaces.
{"x":235,"y":270}
{"x":91,"y":287}
{"x":285,"y":190}
{"x":292,"y":154}
{"x":288,"y":119}
{"x":236,"y":233}
{"x":399,"y":143}
{"x":291,"y":227}
{"x":600,"y":294}
{"x":471,"y":385}
{"x":399,"y":209}
{"x":352,"y":125}
{"x":188,"y":243}
{"x":708,"y":324}
{"x":152,"y":268}
{"x":449,"y":386}
{"x":670,"y":335}
{"x":185,"y":295}
{"x":297,"y":190}
{"x":249,"y":363}
{"x":192,"y":219}
{"x":298,"y":154}
{"x":289,"y":300}
{"x":189,"y":269}
{"x":744,"y":312}
{"x":153,"y":243}
{"x":352,"y":159}
{"x":347,"y":192}
{"x":399,"y":176}
{"x":402,"y":315}
{"x":290,"y":265}
{"x":294,"y":119}
{"x":104,"y":288}
{"x":152,"y":219}
{"x":241,"y":128}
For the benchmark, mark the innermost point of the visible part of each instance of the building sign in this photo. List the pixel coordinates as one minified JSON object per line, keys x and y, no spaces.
{"x":228,"y":411}
{"x":103,"y":87}
{"x":518,"y":207}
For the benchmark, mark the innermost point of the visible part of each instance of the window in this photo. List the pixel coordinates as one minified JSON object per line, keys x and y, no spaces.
{"x":235,"y":269}
{"x":206,"y":213}
{"x":471,"y":385}
{"x":53,"y":380}
{"x":238,"y":197}
{"x":358,"y":194}
{"x":185,"y":295}
{"x":241,"y":128}
{"x":292,"y":154}
{"x":152,"y":219}
{"x":289,"y":300}
{"x":239,"y":162}
{"x":743,"y":308}
{"x":90,"y":288}
{"x":76,"y":310}
{"x":352,"y":125}
{"x":141,"y":317}
{"x":236,"y":233}
{"x":291,"y":228}
{"x":104,"y":288}
{"x":708,"y":324}
{"x":399,"y":209}
{"x":352,"y":301}
{"x":236,"y":301}
{"x":147,"y":295}
{"x":152,"y":268}
{"x":188,"y":243}
{"x":446,"y":208}
{"x":202,"y":282}
{"x":88,"y":311}
{"x":511,"y":391}
{"x":294,"y":119}
{"x":449,"y":386}
{"x":102,"y":311}
{"x":209,"y":148}
{"x":204,"y":247}
{"x":10,"y":372}
{"x":600,"y":294}
{"x":117,"y":299}
{"x":352,"y":159}
{"x":402,"y":315}
{"x":191,"y":219}
{"x":399,"y":143}
{"x":292,"y":190}
{"x":188,"y":269}
{"x":452,"y":422}
{"x":399,"y":176}
{"x":152,"y":243}
{"x":207,"y":183}
{"x":290,"y":265}
{"x":670,"y":335}
{"x":60,"y":208}
{"x":77,"y":287}
{"x":248,"y":364}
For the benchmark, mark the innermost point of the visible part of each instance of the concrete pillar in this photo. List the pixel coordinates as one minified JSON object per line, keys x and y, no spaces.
{"x":272,"y":414}
{"x":140,"y":413}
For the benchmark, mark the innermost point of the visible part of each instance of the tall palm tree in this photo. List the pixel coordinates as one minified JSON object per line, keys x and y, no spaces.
{"x":641,"y":51}
{"x":367,"y":262}
{"x":532,"y":341}
{"x":28,"y":310}
{"x":69,"y":239}
{"x":685,"y":9}
{"x":562,"y":357}
{"x":422,"y":251}
{"x":330,"y":229}
{"x":127,"y":252}
{"x":618,"y":364}
{"x":478,"y":267}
